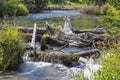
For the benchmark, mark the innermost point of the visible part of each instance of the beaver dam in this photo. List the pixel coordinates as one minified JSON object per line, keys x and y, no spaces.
{"x":64,"y":44}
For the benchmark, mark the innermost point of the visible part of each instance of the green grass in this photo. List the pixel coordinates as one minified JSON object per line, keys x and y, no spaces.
{"x":110,"y":65}
{"x":65,"y":5}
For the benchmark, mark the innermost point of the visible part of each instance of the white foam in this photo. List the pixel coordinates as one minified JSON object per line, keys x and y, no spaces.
{"x":45,"y":69}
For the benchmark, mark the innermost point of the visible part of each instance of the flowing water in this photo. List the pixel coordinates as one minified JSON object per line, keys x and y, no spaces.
{"x":48,"y":71}
{"x":30,"y":70}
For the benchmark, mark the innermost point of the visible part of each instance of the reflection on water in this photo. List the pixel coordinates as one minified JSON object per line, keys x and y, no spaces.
{"x":52,"y":14}
{"x":79,"y":21}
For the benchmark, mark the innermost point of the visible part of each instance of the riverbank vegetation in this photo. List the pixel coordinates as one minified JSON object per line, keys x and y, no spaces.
{"x":12,"y":7}
{"x":11,"y":48}
{"x":110,"y":65}
{"x":64,"y":4}
{"x":12,"y":44}
{"x":23,"y":7}
{"x":35,"y":5}
{"x":111,"y":21}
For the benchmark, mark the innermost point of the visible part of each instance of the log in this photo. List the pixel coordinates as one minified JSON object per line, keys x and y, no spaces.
{"x":82,"y":36}
{"x":85,"y":38}
{"x":54,"y":42}
{"x":71,"y":40}
{"x":67,"y":27}
{"x":95,"y":31}
{"x":66,"y":59}
{"x":50,"y":29}
{"x":34,"y":36}
{"x":43,"y":30}
{"x":28,"y":36}
{"x":80,"y":44}
{"x":87,"y":52}
{"x":82,"y":40}
{"x":43,"y":44}
{"x":30,"y":30}
{"x":63,"y":47}
{"x":50,"y":41}
{"x":33,"y":43}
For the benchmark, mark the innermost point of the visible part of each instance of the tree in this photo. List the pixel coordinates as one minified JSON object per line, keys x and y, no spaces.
{"x":12,"y":7}
{"x":57,"y":1}
{"x":40,"y":4}
{"x":35,"y":5}
{"x":97,"y":2}
{"x":115,"y":3}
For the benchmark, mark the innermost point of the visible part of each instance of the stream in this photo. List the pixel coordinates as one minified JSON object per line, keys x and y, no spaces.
{"x":30,"y":70}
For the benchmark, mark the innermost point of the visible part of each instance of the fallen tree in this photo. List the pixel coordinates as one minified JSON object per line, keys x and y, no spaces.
{"x":66,"y":59}
{"x":95,"y":31}
{"x":30,"y":30}
{"x":79,"y":39}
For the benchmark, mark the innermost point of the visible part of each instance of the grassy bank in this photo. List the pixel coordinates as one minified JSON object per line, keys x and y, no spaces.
{"x":111,"y":65}
{"x":111,"y":56}
{"x":64,"y":5}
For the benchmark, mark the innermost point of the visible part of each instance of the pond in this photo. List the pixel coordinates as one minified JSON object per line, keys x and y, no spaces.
{"x":30,"y":70}
{"x":79,"y":21}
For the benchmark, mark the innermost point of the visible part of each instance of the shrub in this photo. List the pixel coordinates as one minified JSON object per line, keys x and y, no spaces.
{"x":110,"y":66}
{"x":56,"y":1}
{"x":76,"y":1}
{"x":105,"y":8}
{"x":2,"y":7}
{"x":112,"y":11}
{"x":91,"y":9}
{"x":115,"y":3}
{"x":21,"y":10}
{"x":37,"y":5}
{"x":112,"y":21}
{"x":11,"y":48}
{"x":11,"y":9}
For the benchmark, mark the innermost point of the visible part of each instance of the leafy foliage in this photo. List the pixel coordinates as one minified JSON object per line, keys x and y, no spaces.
{"x":105,"y":7}
{"x":56,"y":1}
{"x":115,"y":3}
{"x":91,"y":9}
{"x":11,"y":48}
{"x":111,"y":65}
{"x":22,"y":10}
{"x":12,"y":7}
{"x":112,"y":21}
{"x":35,"y":5}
